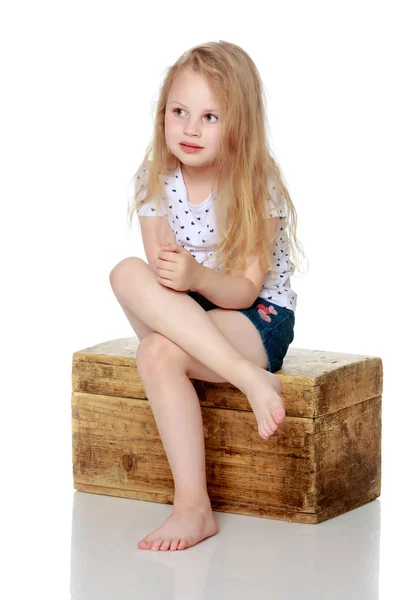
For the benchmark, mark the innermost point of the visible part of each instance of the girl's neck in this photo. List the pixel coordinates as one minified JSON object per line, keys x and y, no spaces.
{"x":198,"y":176}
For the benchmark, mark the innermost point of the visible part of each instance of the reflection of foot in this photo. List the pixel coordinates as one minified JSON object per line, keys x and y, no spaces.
{"x":183,"y":528}
{"x":264,"y":312}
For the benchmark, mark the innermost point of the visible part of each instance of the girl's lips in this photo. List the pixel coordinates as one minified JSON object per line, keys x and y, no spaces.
{"x":190,"y":149}
{"x":190,"y":145}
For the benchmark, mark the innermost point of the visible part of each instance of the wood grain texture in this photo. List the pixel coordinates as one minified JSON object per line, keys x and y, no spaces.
{"x":324,"y":460}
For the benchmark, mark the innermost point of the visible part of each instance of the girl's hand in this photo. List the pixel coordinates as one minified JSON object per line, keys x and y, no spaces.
{"x":176,"y":268}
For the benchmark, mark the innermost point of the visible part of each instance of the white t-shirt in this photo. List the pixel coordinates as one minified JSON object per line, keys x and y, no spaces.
{"x":195,"y":230}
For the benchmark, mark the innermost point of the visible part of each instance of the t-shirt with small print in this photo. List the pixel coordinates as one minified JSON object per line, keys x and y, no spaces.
{"x":195,"y":229}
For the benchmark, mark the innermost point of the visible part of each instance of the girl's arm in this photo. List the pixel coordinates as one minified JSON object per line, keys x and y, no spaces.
{"x":155,"y":232}
{"x":226,"y":291}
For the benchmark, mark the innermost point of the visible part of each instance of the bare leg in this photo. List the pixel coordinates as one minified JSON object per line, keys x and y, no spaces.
{"x":176,"y":407}
{"x":175,"y":404}
{"x":177,"y":412}
{"x":140,"y":328}
{"x":179,"y":318}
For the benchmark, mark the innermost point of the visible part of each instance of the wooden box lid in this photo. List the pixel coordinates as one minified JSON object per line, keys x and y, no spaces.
{"x":314,"y":382}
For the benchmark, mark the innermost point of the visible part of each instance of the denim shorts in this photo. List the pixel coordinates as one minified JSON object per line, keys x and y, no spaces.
{"x":276,"y":335}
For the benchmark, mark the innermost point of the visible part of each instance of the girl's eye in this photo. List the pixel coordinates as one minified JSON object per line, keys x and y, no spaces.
{"x":211,"y":115}
{"x":208,"y":114}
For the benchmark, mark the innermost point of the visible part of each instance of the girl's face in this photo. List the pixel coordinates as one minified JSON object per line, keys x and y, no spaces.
{"x":192,"y":115}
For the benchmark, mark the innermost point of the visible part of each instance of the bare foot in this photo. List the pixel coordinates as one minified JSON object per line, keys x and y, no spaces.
{"x":183,"y":528}
{"x":266,"y":402}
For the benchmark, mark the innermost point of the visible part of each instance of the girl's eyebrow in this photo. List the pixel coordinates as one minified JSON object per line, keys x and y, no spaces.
{"x":205,"y":110}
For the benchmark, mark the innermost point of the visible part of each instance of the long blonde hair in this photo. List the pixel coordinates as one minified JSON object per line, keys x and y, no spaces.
{"x":244,"y":168}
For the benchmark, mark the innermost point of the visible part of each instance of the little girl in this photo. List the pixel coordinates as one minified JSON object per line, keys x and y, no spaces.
{"x":214,"y":301}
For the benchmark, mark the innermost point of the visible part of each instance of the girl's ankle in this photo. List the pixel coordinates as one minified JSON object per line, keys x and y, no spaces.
{"x":200,"y":503}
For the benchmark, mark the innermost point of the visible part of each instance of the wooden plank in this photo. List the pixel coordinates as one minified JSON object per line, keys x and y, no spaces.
{"x":116,"y":444}
{"x":321,"y":392}
{"x":348,"y":455}
{"x":308,"y":466}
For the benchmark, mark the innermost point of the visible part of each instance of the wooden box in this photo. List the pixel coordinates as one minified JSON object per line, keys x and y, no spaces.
{"x":323,"y":460}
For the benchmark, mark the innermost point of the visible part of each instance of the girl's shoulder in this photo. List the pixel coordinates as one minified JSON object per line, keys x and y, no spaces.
{"x":141,"y":178}
{"x":277,"y":205}
{"x":138,"y":181}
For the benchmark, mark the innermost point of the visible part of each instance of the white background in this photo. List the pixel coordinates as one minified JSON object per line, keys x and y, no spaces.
{"x":79,"y":84}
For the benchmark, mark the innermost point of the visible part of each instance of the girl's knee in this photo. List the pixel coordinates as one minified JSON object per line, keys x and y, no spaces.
{"x":156,"y":351}
{"x":122,"y":270}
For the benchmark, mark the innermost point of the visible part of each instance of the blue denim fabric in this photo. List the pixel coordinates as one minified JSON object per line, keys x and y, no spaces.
{"x":276,"y":335}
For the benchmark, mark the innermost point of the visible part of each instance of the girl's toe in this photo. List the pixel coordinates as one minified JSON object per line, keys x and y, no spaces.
{"x":182,"y":545}
{"x":264,"y":427}
{"x":166,"y":544}
{"x":279,"y":415}
{"x":174,"y":543}
{"x":156,"y":544}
